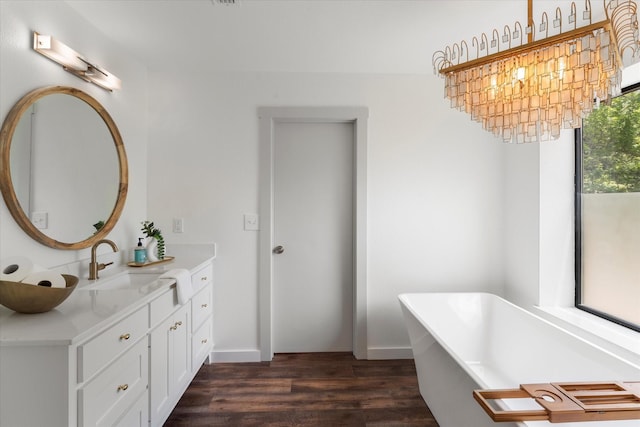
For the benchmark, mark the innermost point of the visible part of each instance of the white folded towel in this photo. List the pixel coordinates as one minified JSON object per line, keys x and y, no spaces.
{"x":183,"y":283}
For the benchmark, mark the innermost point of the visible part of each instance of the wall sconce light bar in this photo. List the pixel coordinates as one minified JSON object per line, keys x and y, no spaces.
{"x":73,"y":62}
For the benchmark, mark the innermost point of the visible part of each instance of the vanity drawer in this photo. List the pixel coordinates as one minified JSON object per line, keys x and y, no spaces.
{"x":109,"y":395}
{"x":138,"y":414}
{"x":202,"y":277}
{"x":201,"y":307}
{"x":95,"y":354}
{"x":163,"y":306}
{"x":201,"y":343}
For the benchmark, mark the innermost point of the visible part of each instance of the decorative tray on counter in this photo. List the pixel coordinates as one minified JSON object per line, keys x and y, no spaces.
{"x":147,"y":264}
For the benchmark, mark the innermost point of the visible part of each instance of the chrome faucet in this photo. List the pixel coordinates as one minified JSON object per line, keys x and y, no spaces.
{"x":94,"y":267}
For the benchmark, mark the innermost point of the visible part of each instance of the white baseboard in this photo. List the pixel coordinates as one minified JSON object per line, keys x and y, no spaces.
{"x":234,"y":356}
{"x":388,"y":353}
{"x":373,"y":353}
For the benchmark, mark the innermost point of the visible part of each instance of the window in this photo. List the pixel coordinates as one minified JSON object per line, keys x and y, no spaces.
{"x":608,"y":210}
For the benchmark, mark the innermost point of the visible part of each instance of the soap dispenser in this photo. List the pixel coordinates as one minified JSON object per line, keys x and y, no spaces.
{"x":140,"y":253}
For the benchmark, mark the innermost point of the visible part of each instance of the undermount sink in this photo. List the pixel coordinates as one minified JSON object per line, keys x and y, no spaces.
{"x":122,"y":281}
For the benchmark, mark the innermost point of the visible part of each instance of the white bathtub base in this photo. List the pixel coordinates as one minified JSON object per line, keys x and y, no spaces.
{"x":441,"y":381}
{"x":464,"y":342}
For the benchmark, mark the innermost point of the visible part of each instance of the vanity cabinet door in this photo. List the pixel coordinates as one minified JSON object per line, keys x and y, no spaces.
{"x":170,"y":363}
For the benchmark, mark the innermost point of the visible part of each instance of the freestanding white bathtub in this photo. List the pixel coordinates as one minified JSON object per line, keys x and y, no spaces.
{"x":467,"y":341}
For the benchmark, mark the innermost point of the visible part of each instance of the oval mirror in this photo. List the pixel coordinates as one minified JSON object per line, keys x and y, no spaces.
{"x":63,"y":167}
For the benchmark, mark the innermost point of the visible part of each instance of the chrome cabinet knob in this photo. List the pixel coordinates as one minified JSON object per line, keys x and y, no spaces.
{"x":278,"y":250}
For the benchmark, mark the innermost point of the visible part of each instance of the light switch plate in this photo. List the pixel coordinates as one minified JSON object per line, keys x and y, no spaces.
{"x":251,"y":222}
{"x":40,"y":220}
{"x":178,"y":225}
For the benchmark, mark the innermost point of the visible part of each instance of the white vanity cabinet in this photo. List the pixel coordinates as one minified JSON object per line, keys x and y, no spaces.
{"x":106,"y":399}
{"x":180,"y":341}
{"x":202,"y":317}
{"x":105,"y":358}
{"x":202,"y":326}
{"x":101,"y":381}
{"x":113,"y":370}
{"x":170,"y":355}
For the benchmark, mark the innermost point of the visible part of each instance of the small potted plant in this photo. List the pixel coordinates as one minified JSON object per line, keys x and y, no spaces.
{"x":155,"y":247}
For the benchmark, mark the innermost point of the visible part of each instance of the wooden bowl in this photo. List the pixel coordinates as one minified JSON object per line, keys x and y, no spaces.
{"x":25,"y":298}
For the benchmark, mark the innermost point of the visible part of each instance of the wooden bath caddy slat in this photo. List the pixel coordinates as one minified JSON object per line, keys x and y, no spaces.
{"x":567,"y":402}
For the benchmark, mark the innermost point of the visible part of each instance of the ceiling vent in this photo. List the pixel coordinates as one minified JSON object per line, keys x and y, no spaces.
{"x":226,"y":2}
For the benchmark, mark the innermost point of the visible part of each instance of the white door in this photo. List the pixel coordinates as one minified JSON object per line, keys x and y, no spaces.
{"x":313,"y":224}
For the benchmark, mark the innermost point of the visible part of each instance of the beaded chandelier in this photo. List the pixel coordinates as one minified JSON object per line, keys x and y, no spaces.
{"x":529,"y":91}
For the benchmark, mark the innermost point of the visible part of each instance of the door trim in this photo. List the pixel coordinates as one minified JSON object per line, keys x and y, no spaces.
{"x":268,"y":117}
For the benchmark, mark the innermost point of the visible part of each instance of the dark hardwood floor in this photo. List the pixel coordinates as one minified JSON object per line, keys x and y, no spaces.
{"x":305,"y":389}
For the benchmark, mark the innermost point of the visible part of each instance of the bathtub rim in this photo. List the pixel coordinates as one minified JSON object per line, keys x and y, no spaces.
{"x":620,"y":340}
{"x":464,"y":364}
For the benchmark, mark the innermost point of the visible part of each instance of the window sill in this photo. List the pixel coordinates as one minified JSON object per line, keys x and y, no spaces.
{"x":617,"y":339}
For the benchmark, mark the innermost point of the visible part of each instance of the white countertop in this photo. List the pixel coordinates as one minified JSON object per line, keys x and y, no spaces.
{"x":86,"y":312}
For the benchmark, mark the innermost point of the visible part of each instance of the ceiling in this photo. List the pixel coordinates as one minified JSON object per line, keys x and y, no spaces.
{"x":344,"y":36}
{"x":332,"y":36}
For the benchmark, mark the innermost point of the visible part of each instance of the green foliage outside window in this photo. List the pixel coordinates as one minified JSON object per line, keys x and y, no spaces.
{"x":611,"y":147}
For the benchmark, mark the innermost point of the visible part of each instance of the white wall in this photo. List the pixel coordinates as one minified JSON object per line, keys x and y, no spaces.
{"x":522,"y":223}
{"x":539,"y":216}
{"x":22,"y":70}
{"x":434,"y":186}
{"x":557,"y":231}
{"x":450,"y":207}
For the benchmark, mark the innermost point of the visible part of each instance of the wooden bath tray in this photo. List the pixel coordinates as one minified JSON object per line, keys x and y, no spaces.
{"x":567,"y":402}
{"x":149,"y":263}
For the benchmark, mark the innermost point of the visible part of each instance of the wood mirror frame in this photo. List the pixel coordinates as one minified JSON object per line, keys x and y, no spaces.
{"x":6,"y":184}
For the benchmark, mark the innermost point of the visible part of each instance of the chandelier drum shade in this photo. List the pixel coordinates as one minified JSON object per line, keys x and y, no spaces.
{"x":528,"y":90}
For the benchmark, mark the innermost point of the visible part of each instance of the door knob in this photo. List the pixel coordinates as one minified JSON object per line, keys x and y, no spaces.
{"x":278,"y":250}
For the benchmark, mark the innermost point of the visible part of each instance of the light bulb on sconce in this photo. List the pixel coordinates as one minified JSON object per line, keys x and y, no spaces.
{"x":74,"y":63}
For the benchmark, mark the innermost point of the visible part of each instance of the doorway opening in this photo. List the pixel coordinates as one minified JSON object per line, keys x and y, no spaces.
{"x":269,"y":119}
